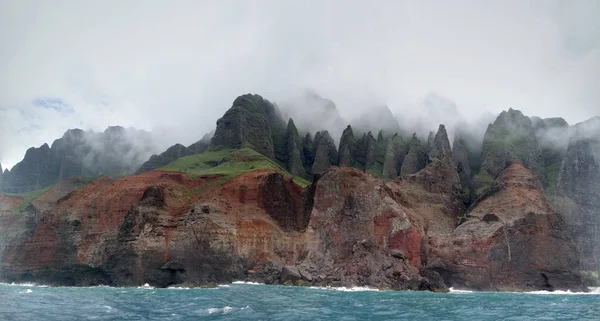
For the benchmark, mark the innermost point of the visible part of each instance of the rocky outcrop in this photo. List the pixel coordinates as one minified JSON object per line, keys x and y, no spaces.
{"x":552,"y":135}
{"x":511,"y":241}
{"x":578,"y":190}
{"x":325,"y":153}
{"x":440,"y":146}
{"x":308,"y":152}
{"x":117,"y":151}
{"x":362,"y":236}
{"x":511,"y":138}
{"x":460,"y":155}
{"x":173,"y":153}
{"x":394,"y":157}
{"x":348,"y":148}
{"x":366,"y":154}
{"x":293,"y":155}
{"x":250,"y":122}
{"x":415,"y":159}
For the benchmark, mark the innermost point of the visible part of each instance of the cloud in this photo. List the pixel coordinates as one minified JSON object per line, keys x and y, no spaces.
{"x":175,"y":67}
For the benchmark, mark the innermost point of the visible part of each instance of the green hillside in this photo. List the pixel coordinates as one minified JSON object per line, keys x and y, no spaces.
{"x":227,"y":162}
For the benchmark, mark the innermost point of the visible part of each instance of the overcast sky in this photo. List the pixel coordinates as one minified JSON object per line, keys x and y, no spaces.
{"x":175,"y":67}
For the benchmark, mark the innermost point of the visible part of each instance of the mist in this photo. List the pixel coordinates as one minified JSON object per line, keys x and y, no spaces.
{"x":173,"y":69}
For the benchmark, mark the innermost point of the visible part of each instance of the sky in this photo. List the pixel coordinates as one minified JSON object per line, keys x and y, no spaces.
{"x":174,"y":67}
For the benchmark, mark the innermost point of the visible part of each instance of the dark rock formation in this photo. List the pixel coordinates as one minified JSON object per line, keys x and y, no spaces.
{"x":511,"y":138}
{"x":416,"y":158}
{"x":308,"y":153}
{"x":460,"y":154}
{"x":117,"y":151}
{"x":578,"y":190}
{"x":394,"y":157}
{"x":250,"y":122}
{"x":552,"y":135}
{"x":173,"y":153}
{"x":366,"y":154}
{"x":348,"y":148}
{"x":294,"y":151}
{"x":440,"y":146}
{"x":325,"y":153}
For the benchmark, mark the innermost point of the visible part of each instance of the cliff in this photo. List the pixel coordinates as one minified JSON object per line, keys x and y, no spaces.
{"x":387,"y":212}
{"x":347,"y":228}
{"x":115,"y":152}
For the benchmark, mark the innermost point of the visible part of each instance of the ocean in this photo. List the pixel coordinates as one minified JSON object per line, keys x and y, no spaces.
{"x":243,"y":301}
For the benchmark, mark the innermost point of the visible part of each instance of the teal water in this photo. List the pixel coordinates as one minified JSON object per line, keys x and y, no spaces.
{"x":263,"y":302}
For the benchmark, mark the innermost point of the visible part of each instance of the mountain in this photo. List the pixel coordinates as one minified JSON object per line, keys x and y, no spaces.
{"x":262,"y":202}
{"x":578,"y":190}
{"x":115,"y":152}
{"x":173,"y":153}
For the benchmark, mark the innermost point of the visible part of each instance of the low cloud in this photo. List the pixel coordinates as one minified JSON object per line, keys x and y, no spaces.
{"x":174,"y":68}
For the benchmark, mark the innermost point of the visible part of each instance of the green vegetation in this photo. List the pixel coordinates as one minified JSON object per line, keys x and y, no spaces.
{"x":376,"y":170}
{"x":481,"y":182}
{"x":28,"y":197}
{"x":551,"y":172}
{"x":226,"y":162}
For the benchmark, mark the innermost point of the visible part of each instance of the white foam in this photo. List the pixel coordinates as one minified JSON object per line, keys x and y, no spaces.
{"x":345,"y":289}
{"x":223,"y":310}
{"x":224,"y":285}
{"x":146,"y":286}
{"x":26,"y":291}
{"x":452,"y":290}
{"x":25,"y":285}
{"x":244,"y":282}
{"x":568,"y":292}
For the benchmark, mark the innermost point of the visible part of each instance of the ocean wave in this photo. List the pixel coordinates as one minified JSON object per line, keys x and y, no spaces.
{"x":568,"y":292}
{"x":26,"y":291}
{"x":146,"y":286}
{"x":223,"y":310}
{"x":452,"y":290}
{"x":244,"y":282}
{"x":25,"y":285}
{"x":345,"y":289}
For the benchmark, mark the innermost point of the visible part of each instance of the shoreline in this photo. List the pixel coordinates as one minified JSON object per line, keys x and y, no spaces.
{"x":592,"y":290}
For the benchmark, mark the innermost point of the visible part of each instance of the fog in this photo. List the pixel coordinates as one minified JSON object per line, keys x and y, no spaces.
{"x":173,"y":68}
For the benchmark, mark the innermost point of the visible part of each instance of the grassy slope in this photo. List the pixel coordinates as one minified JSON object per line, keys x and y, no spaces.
{"x":226,"y":162}
{"x":28,"y":197}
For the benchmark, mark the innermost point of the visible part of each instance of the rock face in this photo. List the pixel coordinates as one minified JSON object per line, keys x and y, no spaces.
{"x":347,"y":229}
{"x":250,"y":122}
{"x":394,"y":157}
{"x":460,"y":155}
{"x":348,"y":148}
{"x":416,"y":158}
{"x":325,"y":153}
{"x":511,"y":138}
{"x":512,"y":241}
{"x":578,"y":190}
{"x":116,"y":151}
{"x":294,"y":151}
{"x":362,"y":235}
{"x":173,"y":153}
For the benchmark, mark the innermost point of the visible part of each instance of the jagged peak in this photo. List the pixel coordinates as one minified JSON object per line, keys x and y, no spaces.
{"x":291,"y":127}
{"x":441,"y":144}
{"x":75,"y":132}
{"x":380,"y":136}
{"x":347,"y":132}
